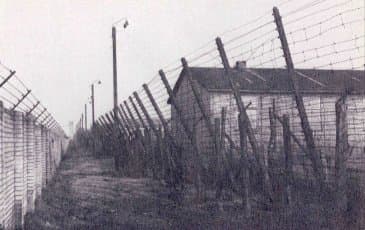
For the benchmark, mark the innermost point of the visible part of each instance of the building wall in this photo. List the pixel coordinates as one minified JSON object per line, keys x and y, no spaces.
{"x":321,"y":115}
{"x":21,"y":161}
{"x":320,"y":110}
{"x":8,"y":169}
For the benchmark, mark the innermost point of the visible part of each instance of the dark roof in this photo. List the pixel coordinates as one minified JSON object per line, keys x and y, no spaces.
{"x":269,"y":80}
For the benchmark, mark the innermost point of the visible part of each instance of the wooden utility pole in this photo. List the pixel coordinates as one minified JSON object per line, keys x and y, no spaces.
{"x":115,"y":80}
{"x":92,"y":104}
{"x":308,"y":133}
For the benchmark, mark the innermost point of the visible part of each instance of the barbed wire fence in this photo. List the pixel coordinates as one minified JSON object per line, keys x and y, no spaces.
{"x":32,"y":145}
{"x":17,"y":96}
{"x":286,"y":122}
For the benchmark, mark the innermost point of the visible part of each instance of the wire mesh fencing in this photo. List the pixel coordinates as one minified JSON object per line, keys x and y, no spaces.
{"x":282,"y":126}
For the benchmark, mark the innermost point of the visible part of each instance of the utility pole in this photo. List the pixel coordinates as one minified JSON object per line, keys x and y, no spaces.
{"x":92,"y":104}
{"x":115,"y":81}
{"x":85,"y":116}
{"x":82,"y":121}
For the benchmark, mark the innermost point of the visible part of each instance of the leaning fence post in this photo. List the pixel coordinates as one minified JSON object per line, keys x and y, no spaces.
{"x":175,"y":156}
{"x":138,"y":113}
{"x":127,"y":120}
{"x":308,"y":133}
{"x":164,"y":124}
{"x":138,"y":137}
{"x":244,"y":118}
{"x":150,"y":122}
{"x":189,"y":133}
{"x":135,"y":123}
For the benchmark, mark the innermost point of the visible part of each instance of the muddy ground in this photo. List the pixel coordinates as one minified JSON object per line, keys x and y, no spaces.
{"x":87,"y":194}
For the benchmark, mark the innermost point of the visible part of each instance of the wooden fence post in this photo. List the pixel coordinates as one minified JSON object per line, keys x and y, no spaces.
{"x":273,"y":136}
{"x":163,"y":122}
{"x":226,"y":172}
{"x":126,"y":119}
{"x":136,"y":125}
{"x":342,"y":149}
{"x":308,"y":133}
{"x":139,"y":138}
{"x":175,"y":151}
{"x":288,"y":159}
{"x":150,"y":122}
{"x":122,"y":125}
{"x":246,"y":168}
{"x":244,"y":119}
{"x":138,"y":113}
{"x":189,"y":133}
{"x":198,"y":97}
{"x":147,"y":137}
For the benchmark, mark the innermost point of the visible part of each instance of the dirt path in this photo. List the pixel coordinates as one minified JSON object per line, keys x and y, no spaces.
{"x":86,"y":194}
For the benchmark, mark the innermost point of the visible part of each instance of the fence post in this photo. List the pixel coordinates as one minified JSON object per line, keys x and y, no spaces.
{"x":20,"y":185}
{"x":138,"y":113}
{"x":126,"y":118}
{"x":147,"y":137}
{"x":342,"y":149}
{"x":175,"y":156}
{"x":189,"y":133}
{"x":245,"y":172}
{"x":245,"y":120}
{"x":105,"y":124}
{"x":162,"y":119}
{"x":272,"y":142}
{"x":139,"y":138}
{"x":150,"y":122}
{"x":136,"y":125}
{"x":308,"y":133}
{"x":198,"y":97}
{"x":288,"y":159}
{"x":31,"y":162}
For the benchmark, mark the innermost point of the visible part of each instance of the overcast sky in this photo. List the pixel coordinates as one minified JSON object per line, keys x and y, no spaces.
{"x":59,"y":47}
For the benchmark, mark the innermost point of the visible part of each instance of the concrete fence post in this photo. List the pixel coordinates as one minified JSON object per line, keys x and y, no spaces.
{"x":20,"y":188}
{"x":38,"y":165}
{"x":31,"y":162}
{"x":43,"y":158}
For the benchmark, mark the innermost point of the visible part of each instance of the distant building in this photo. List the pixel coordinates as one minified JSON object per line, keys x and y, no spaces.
{"x":259,"y":89}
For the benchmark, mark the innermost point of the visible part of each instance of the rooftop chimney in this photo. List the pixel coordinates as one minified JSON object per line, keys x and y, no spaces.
{"x":241,"y":65}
